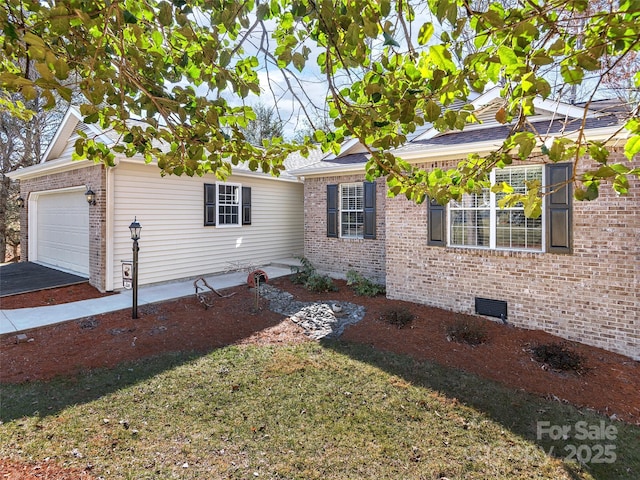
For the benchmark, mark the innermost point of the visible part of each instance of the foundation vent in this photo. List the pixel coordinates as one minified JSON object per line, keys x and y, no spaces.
{"x":491,"y":308}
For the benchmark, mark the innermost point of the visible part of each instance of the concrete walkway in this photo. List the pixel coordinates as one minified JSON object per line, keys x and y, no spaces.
{"x":17,"y":320}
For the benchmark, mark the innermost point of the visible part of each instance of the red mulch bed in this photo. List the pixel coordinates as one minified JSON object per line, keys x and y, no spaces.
{"x":610,"y":384}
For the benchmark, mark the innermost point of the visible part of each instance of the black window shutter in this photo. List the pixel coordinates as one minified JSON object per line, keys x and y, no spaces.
{"x":246,"y":205}
{"x":209,"y":204}
{"x":559,"y":208}
{"x":332,"y":210}
{"x":370,"y":210}
{"x":436,"y":224}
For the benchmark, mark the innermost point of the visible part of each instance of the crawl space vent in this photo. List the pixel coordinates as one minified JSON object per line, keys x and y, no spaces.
{"x":491,"y":308}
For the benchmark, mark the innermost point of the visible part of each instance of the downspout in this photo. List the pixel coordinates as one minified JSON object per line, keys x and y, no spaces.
{"x":109,"y":213}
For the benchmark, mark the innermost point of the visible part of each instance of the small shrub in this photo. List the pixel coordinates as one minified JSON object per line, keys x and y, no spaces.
{"x":558,"y":357}
{"x":398,"y":316}
{"x":307,"y":276}
{"x":363,"y":286}
{"x":467,"y":331}
{"x":320,"y":283}
{"x":302,"y":273}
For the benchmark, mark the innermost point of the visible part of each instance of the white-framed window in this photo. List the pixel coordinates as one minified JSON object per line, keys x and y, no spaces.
{"x":226,"y":204}
{"x":477,"y":220}
{"x":229,"y":200}
{"x":352,"y":210}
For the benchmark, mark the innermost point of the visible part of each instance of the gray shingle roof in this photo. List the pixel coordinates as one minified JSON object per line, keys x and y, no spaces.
{"x":607,"y":114}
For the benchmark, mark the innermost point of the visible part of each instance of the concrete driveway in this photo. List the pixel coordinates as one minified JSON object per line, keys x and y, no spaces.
{"x":23,"y":277}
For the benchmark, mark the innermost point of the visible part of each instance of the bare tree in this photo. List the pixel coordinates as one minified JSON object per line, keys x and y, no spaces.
{"x":308,"y":128}
{"x":23,"y":143}
{"x":266,"y":125}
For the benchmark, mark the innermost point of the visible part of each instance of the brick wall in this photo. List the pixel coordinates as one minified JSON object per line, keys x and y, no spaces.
{"x":339,"y":255}
{"x":591,"y":296}
{"x":92,"y":176}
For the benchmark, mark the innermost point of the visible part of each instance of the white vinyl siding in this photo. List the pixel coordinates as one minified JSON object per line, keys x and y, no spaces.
{"x":175,"y":244}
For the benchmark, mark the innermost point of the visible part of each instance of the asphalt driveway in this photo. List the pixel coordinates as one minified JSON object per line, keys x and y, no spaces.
{"x":23,"y":277}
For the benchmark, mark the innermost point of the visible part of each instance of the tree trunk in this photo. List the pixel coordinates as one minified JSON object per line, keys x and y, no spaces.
{"x":5,"y":183}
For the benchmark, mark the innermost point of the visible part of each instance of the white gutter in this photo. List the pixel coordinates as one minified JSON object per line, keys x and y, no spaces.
{"x":236,"y":172}
{"x":52,"y":166}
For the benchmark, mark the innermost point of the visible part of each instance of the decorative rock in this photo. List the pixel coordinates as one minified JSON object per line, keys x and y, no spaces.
{"x":21,"y":338}
{"x":318,"y":319}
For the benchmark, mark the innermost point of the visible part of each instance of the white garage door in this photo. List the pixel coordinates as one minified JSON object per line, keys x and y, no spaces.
{"x":63,"y":231}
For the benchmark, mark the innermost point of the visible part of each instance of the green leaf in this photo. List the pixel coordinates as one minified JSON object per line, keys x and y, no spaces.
{"x":432,"y":111}
{"x":557,"y":47}
{"x":605,"y":172}
{"x":599,"y":152}
{"x":389,"y":40}
{"x":165,"y":14}
{"x":541,"y":58}
{"x":559,"y":150}
{"x":44,"y":71}
{"x":425,"y":34}
{"x":298,"y":61}
{"x":50,"y":99}
{"x":572,"y":75}
{"x":632,"y":147}
{"x":61,"y":68}
{"x":129,"y":17}
{"x":34,"y":40}
{"x":28,"y":92}
{"x":526,"y":142}
{"x":592,"y":191}
{"x":621,"y":185}
{"x":580,"y":194}
{"x":93,"y":118}
{"x":10,"y":32}
{"x":532,"y":207}
{"x":502,"y":187}
{"x":441,"y":57}
{"x":588,"y":62}
{"x":156,"y":36}
{"x":507,"y":56}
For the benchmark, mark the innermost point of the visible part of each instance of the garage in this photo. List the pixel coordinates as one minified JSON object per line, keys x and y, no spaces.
{"x":62,"y":231}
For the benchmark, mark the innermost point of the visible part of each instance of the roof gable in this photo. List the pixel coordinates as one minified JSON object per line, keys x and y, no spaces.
{"x":67,"y":133}
{"x":487,"y":106}
{"x":552,"y":118}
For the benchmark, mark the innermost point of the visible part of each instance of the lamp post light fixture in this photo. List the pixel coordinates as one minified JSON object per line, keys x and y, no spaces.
{"x":135,"y":228}
{"x":20,"y":202}
{"x":90,"y":196}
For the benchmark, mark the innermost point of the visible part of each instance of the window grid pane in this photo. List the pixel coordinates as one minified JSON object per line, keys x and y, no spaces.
{"x":513,"y":228}
{"x":474,"y":217}
{"x":228,"y":204}
{"x":470,"y":220}
{"x":352,"y":210}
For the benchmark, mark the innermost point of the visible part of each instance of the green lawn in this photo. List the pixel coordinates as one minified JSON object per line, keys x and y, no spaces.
{"x":330,"y":411}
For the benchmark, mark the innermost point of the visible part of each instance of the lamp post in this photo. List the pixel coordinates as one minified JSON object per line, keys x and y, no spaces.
{"x":135,"y":228}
